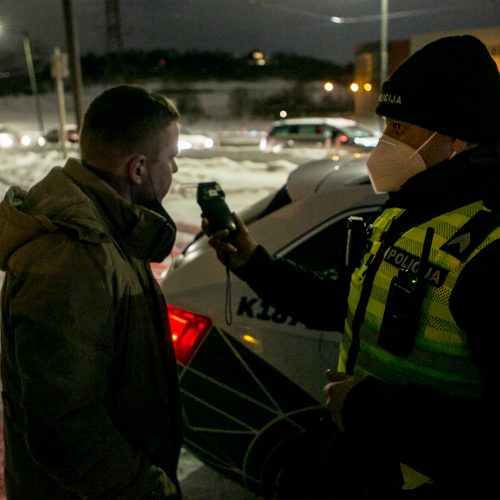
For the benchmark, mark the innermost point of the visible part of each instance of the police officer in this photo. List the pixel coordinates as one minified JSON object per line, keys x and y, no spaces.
{"x":417,"y":381}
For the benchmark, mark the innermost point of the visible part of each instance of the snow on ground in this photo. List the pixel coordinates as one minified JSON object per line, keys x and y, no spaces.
{"x":245,"y":173}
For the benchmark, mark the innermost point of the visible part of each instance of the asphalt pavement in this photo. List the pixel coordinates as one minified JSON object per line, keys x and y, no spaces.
{"x":206,"y":484}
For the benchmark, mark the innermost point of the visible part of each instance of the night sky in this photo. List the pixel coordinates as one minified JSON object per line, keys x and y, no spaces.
{"x":240,"y":26}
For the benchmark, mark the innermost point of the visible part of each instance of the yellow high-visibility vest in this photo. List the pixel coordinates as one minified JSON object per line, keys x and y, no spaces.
{"x":440,"y":357}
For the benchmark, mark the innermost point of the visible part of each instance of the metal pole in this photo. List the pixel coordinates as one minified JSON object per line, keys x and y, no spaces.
{"x":32,"y":76}
{"x":384,"y":14}
{"x":74,"y":60}
{"x":58,"y":73}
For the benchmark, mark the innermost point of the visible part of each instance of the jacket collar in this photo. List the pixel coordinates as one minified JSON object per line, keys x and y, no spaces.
{"x":143,"y":233}
{"x":470,"y":176}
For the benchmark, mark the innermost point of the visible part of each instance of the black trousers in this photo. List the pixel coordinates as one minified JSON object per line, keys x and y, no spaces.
{"x":329,"y":466}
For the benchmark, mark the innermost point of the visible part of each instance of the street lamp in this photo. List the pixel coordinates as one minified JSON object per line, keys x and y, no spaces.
{"x":384,"y":16}
{"x":391,"y":15}
{"x":328,"y":86}
{"x":384,"y":23}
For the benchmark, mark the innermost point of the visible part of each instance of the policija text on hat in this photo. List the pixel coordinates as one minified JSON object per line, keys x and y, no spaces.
{"x":417,"y":381}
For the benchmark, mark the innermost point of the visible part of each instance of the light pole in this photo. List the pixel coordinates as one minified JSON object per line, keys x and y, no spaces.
{"x":60,"y":71}
{"x":32,"y":76}
{"x":74,"y":59}
{"x":384,"y":24}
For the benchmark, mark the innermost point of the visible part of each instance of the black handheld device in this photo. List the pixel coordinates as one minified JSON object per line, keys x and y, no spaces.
{"x":357,"y":240}
{"x":403,"y":306}
{"x":211,"y":199}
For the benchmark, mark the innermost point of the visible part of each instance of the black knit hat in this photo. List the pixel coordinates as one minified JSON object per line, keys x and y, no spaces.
{"x":451,"y":86}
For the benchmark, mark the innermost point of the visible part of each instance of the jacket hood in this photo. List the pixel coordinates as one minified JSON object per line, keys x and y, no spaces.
{"x":77,"y":202}
{"x":17,"y":227}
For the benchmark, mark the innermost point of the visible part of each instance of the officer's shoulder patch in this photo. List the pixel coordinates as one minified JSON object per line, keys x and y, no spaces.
{"x":471,"y":234}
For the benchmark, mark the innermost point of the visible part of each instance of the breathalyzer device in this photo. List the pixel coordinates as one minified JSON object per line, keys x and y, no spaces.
{"x":211,"y":199}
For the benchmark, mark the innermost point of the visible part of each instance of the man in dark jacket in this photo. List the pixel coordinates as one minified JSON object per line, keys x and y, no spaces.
{"x":90,"y":391}
{"x":418,"y":374}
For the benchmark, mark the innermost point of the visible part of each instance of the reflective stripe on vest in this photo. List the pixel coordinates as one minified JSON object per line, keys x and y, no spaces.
{"x":440,"y":357}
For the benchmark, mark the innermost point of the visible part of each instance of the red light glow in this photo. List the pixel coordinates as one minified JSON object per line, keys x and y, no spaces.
{"x":187,"y":330}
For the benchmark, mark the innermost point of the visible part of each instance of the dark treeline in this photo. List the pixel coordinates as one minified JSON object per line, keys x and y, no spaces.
{"x":170,"y":65}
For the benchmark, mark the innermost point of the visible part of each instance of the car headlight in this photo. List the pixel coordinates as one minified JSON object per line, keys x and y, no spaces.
{"x":6,"y":141}
{"x":183,"y":145}
{"x":209,"y":143}
{"x":26,"y":140}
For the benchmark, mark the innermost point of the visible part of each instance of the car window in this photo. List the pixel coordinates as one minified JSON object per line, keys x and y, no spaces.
{"x":357,"y":132}
{"x":325,"y":250}
{"x":331,"y":131}
{"x":280,"y":131}
{"x":308,"y":129}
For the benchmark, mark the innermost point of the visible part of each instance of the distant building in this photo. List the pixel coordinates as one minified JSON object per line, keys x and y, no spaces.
{"x":367,"y":61}
{"x":367,"y":72}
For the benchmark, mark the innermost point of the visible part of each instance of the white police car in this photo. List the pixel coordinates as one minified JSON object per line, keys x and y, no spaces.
{"x":251,"y":387}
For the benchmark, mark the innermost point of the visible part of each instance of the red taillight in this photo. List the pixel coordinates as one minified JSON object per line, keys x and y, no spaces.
{"x":343,"y":139}
{"x":188,"y":330}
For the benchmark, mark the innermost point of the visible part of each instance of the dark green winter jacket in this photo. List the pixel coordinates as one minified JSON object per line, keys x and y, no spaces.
{"x":90,"y":391}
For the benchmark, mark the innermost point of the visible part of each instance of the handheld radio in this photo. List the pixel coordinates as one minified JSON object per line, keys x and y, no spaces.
{"x":404,"y":303}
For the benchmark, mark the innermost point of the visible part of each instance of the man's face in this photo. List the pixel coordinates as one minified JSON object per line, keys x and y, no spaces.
{"x":435,"y":151}
{"x":161,"y":166}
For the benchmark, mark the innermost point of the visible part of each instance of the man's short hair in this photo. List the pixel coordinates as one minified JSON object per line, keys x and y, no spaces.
{"x":125,"y":118}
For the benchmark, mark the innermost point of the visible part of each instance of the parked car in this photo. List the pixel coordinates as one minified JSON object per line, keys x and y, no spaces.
{"x":187,"y":140}
{"x":71,"y":133}
{"x":194,"y":140}
{"x":251,"y":377}
{"x":317,"y":132}
{"x":11,"y":138}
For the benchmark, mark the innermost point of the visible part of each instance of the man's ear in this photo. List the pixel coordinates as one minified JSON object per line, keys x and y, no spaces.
{"x":135,"y":167}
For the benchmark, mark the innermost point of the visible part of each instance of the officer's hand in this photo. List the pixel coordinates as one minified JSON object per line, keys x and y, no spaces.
{"x":162,"y":487}
{"x":336,"y":391}
{"x":233,"y":249}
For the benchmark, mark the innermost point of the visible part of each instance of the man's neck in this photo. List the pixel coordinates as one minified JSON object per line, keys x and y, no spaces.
{"x":117,"y":182}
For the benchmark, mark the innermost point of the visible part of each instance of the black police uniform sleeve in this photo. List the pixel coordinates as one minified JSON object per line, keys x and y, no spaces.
{"x":319,"y":300}
{"x":475,"y":304}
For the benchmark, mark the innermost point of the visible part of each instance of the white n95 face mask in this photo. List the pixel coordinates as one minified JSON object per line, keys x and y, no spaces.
{"x":393,"y":162}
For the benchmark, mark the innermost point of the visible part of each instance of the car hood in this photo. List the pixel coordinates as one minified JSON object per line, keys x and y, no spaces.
{"x":336,"y":172}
